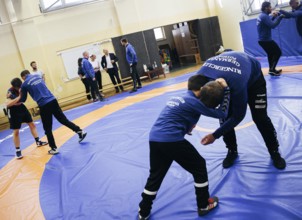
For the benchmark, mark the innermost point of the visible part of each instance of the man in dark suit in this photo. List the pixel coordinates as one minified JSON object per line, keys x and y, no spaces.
{"x":109,"y":64}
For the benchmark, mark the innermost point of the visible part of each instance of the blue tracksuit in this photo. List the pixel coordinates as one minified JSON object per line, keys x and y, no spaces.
{"x":265,"y":24}
{"x":180,"y":115}
{"x":240,"y":71}
{"x":297,"y":14}
{"x":35,"y":86}
{"x":130,"y":54}
{"x":88,"y":69}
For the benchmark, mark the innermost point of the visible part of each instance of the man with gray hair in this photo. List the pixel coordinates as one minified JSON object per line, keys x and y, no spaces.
{"x":109,"y":65}
{"x":90,"y":75}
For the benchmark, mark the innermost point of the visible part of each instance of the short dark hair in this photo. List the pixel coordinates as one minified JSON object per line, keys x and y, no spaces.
{"x":24,"y":73}
{"x":265,"y":5}
{"x":16,"y":83}
{"x":196,"y":82}
{"x":31,"y":63}
{"x":80,"y":61}
{"x":212,"y":94}
{"x":124,"y":40}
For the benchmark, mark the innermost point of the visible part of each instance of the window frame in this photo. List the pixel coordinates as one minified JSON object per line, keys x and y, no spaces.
{"x":247,"y":6}
{"x":63,"y":4}
{"x":163,"y":34}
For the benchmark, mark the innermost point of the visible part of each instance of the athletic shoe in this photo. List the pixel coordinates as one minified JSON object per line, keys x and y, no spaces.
{"x":140,"y":217}
{"x":143,"y":218}
{"x":53,"y":151}
{"x":18,"y":154}
{"x":82,"y":135}
{"x":139,"y":87}
{"x":230,"y":159}
{"x":133,"y":90}
{"x":103,"y":99}
{"x":278,"y":161}
{"x":41,"y":143}
{"x":274,"y":73}
{"x":278,"y":71}
{"x":213,"y":203}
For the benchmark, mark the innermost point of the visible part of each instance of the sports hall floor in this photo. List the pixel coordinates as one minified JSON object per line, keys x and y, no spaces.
{"x":103,"y":177}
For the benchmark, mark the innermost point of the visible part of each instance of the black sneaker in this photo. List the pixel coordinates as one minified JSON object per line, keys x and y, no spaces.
{"x":133,"y":90}
{"x":41,"y":143}
{"x":278,"y":71}
{"x":230,"y":159}
{"x":82,"y":135}
{"x":275,"y":73}
{"x":18,"y":154}
{"x":140,"y":217}
{"x":143,"y":218}
{"x":278,"y":161}
{"x":213,"y":203}
{"x":139,"y":87}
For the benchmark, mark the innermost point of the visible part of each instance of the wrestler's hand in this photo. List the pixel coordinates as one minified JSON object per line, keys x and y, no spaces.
{"x":208,"y":139}
{"x":222,"y":82}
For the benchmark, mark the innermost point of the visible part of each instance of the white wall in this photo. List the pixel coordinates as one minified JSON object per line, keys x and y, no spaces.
{"x":39,"y":37}
{"x":230,"y":14}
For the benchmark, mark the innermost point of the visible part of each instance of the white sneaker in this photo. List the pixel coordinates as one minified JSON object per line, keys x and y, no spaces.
{"x":53,"y":151}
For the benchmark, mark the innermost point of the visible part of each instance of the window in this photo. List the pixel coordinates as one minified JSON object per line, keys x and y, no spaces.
{"x":159,"y":33}
{"x":51,"y":5}
{"x":251,"y":7}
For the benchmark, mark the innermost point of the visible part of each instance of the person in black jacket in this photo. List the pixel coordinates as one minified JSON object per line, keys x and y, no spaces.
{"x":109,"y":64}
{"x":84,"y":81}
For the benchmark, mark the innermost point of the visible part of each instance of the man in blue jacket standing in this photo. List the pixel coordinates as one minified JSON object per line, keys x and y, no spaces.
{"x":243,"y":75}
{"x":296,"y":13}
{"x":90,"y":75}
{"x":265,"y":24}
{"x":48,"y":104}
{"x":132,"y":61}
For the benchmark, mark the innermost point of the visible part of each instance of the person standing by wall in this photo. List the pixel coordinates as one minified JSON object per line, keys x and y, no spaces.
{"x":132,"y":61}
{"x":49,"y":107}
{"x":265,"y":24}
{"x":18,"y":114}
{"x":35,"y":70}
{"x":84,"y":81}
{"x":90,"y":76}
{"x":109,"y":64}
{"x":97,"y":71}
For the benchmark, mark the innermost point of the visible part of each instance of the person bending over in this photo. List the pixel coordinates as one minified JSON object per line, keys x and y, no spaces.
{"x":248,"y":87}
{"x":18,"y":114}
{"x":168,"y":144}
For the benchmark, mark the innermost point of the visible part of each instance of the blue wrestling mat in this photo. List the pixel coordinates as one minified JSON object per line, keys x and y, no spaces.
{"x":102,"y":179}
